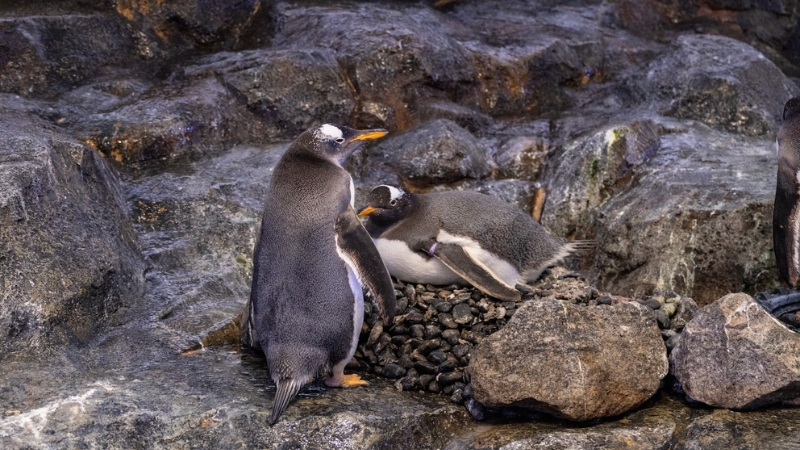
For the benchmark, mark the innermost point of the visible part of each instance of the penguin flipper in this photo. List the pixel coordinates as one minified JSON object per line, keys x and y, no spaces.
{"x":286,"y":391}
{"x":354,"y":241}
{"x":456,"y":259}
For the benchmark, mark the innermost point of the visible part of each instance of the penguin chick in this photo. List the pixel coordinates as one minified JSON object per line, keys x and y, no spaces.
{"x":786,"y":211}
{"x":306,"y":303}
{"x":457,"y":236}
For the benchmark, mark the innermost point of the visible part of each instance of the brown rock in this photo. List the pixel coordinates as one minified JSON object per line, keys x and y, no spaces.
{"x":571,"y":361}
{"x":733,"y":354}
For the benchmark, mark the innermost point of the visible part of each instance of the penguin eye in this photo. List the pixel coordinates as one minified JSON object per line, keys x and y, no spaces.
{"x":340,"y":140}
{"x":393,"y":202}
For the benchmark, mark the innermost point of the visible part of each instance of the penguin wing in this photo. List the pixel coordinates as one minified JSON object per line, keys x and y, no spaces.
{"x":456,"y":259}
{"x":354,"y":242}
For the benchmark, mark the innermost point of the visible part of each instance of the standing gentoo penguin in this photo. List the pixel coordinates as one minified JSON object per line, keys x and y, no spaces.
{"x":456,"y":236}
{"x":786,"y":211}
{"x":306,"y":304}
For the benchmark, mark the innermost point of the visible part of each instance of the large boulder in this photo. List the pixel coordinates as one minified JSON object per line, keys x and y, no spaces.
{"x":288,"y":90}
{"x":721,"y":82}
{"x":69,"y":253}
{"x":662,"y":198}
{"x":733,"y":354}
{"x":573,"y":361}
{"x":131,"y":122}
{"x":395,"y":56}
{"x":433,"y":153}
{"x":43,"y":54}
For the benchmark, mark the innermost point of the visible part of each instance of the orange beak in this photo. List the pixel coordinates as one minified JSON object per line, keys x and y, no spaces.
{"x":368,"y":135}
{"x":367,"y":211}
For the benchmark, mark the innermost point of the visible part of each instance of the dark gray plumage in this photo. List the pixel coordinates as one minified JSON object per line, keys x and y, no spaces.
{"x":786,"y":211}
{"x":306,"y":304}
{"x":447,"y":237}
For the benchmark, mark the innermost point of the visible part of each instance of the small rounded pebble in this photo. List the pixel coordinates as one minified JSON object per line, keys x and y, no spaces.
{"x":414,"y":317}
{"x":462,"y":314}
{"x":417,"y":331}
{"x":437,"y":357}
{"x":432,"y":331}
{"x":652,"y":303}
{"x":448,"y":365}
{"x":425,"y":367}
{"x":447,"y":320}
{"x":476,"y":410}
{"x":448,"y":378}
{"x":661,"y":317}
{"x":433,"y":386}
{"x":444,"y":307}
{"x":393,"y":371}
{"x":451,"y":336}
{"x":457,"y":397}
{"x":461,"y":350}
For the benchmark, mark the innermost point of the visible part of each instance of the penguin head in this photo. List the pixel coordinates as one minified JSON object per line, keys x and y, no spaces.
{"x":333,"y":142}
{"x":388,"y":204}
{"x":792,"y":108}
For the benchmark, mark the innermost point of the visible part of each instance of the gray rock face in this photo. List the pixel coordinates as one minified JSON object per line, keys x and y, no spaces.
{"x":289,"y":90}
{"x":665,"y":219}
{"x":394,"y":56}
{"x":435,"y":153}
{"x":733,"y":354}
{"x":721,"y":82}
{"x":69,"y":255}
{"x":49,"y":53}
{"x":138,"y":124}
{"x":575,"y":362}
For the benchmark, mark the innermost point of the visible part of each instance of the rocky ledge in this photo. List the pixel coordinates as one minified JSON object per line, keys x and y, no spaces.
{"x":138,"y":138}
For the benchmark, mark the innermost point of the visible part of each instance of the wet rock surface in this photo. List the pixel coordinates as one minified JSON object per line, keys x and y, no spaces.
{"x":733,"y":354}
{"x":194,"y":101}
{"x":69,"y":257}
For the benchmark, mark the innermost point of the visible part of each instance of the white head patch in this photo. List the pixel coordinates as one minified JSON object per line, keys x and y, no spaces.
{"x":393,"y":191}
{"x":329,"y":131}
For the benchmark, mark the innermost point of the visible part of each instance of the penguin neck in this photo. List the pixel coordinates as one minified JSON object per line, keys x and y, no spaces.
{"x":377,"y":225}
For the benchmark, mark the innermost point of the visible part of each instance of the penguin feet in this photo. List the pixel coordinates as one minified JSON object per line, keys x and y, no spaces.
{"x":345,"y":381}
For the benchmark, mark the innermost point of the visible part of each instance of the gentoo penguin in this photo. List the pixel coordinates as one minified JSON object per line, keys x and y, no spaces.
{"x":312,"y":254}
{"x":786,"y":211}
{"x":456,"y":236}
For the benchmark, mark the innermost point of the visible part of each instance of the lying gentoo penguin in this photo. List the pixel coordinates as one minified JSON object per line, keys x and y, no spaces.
{"x":786,"y":211}
{"x":306,"y":302}
{"x":456,"y":236}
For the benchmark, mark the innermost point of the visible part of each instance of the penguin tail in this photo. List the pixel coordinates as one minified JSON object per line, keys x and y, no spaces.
{"x":287,"y":390}
{"x":582,"y":246}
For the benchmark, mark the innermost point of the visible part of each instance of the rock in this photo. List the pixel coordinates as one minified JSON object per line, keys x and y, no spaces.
{"x":659,"y":208}
{"x":575,"y":362}
{"x":433,"y":153}
{"x":182,"y":24}
{"x":736,"y":430}
{"x":69,"y":258}
{"x":391,"y":72}
{"x":49,"y":53}
{"x":393,"y":371}
{"x":104,"y":412}
{"x":683,"y":314}
{"x":199,"y":118}
{"x":734,"y":355}
{"x":744,"y":94}
{"x":462,"y":314}
{"x":288,"y":90}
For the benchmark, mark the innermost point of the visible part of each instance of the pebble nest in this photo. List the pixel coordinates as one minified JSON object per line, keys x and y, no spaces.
{"x":428,"y":346}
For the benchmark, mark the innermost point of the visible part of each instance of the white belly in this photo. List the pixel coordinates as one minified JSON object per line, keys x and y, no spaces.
{"x":408,"y":265}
